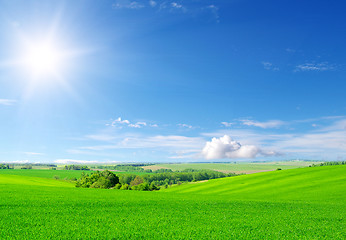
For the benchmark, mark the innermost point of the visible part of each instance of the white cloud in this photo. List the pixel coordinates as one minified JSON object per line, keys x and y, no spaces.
{"x":225,"y":147}
{"x":324,"y":66}
{"x":33,"y":153}
{"x":172,"y":142}
{"x":138,"y":125}
{"x":185,"y":125}
{"x":19,"y":161}
{"x":227,"y":124}
{"x":270,"y":66}
{"x":215,"y":12}
{"x":74,"y":161}
{"x":268,"y":124}
{"x":176,"y":5}
{"x":119,"y":123}
{"x":127,"y":4}
{"x":322,"y":142}
{"x":152,"y":3}
{"x":7,"y":102}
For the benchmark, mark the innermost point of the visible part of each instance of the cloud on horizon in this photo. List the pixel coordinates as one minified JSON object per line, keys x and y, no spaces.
{"x":7,"y":102}
{"x":73,"y":161}
{"x":225,"y":147}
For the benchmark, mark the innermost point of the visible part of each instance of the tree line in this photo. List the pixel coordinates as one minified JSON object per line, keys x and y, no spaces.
{"x":5,"y":166}
{"x":330,"y":163}
{"x":76,"y":167}
{"x":147,"y":182}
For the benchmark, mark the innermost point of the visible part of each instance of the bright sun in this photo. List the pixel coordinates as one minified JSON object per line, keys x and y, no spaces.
{"x":42,"y":59}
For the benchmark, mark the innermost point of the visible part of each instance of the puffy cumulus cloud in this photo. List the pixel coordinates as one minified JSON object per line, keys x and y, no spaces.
{"x":226,"y":147}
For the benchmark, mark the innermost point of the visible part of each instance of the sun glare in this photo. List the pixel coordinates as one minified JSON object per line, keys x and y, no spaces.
{"x":42,"y":59}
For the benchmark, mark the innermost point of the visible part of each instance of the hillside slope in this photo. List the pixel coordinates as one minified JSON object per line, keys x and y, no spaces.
{"x":316,"y":183}
{"x":7,"y":179}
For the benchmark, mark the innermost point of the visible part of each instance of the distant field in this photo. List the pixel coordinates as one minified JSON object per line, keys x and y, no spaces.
{"x":44,"y":173}
{"x":234,"y":167}
{"x":315,"y":183}
{"x":304,"y":203}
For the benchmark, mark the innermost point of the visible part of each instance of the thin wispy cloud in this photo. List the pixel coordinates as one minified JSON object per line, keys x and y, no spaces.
{"x":185,"y":7}
{"x":33,"y":153}
{"x":267,"y":124}
{"x":269,"y":66}
{"x":227,"y":124}
{"x":174,"y":142}
{"x":119,"y":4}
{"x":7,"y":102}
{"x":101,"y":137}
{"x":214,"y":11}
{"x":120,"y":123}
{"x":152,"y":3}
{"x":183,"y":125}
{"x":138,"y":125}
{"x":324,"y":66}
{"x":74,"y":161}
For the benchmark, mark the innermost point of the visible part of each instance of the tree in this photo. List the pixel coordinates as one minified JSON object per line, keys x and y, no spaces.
{"x":138,"y":180}
{"x":105,"y":179}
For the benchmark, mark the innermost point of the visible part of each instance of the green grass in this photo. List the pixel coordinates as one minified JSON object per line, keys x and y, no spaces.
{"x":38,"y":208}
{"x":313,"y":184}
{"x":232,"y":167}
{"x":44,"y":173}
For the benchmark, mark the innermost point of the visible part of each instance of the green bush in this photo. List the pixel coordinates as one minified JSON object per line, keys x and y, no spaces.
{"x":105,"y":179}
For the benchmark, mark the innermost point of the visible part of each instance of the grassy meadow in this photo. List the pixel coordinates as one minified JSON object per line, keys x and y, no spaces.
{"x":44,"y":173}
{"x":306,"y":203}
{"x":234,"y":167}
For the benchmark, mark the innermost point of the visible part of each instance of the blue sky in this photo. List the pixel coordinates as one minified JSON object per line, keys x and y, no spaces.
{"x":172,"y":81}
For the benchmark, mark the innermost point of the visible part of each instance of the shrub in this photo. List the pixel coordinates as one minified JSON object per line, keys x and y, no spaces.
{"x":124,"y":186}
{"x":105,"y":179}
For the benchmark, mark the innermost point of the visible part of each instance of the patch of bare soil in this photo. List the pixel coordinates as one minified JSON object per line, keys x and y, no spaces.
{"x":199,"y":182}
{"x":153,"y":167}
{"x":253,"y":171}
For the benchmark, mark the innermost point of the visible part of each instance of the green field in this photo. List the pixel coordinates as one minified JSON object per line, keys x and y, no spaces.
{"x":234,"y":167}
{"x":304,"y":203}
{"x":44,"y":173}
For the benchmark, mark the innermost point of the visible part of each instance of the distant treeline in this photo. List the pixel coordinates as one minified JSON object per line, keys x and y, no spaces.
{"x":148,"y":182}
{"x":29,"y":164}
{"x":125,"y":168}
{"x":5,"y":166}
{"x":76,"y":167}
{"x":169,"y":178}
{"x":330,"y":163}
